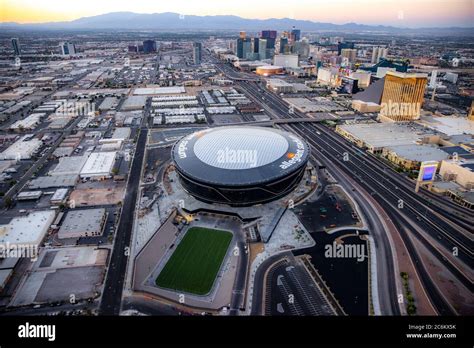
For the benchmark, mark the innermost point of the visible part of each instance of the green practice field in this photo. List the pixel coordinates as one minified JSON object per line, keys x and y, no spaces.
{"x":194,"y":264}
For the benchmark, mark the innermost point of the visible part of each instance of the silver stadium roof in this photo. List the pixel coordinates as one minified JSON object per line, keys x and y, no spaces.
{"x":239,"y":156}
{"x":251,"y":147}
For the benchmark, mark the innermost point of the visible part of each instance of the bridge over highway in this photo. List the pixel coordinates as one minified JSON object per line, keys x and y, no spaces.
{"x":270,"y":123}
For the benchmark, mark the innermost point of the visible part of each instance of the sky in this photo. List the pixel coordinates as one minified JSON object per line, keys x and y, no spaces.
{"x":401,"y":13}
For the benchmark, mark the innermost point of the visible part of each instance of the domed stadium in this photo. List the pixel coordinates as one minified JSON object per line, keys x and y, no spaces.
{"x":240,"y":165}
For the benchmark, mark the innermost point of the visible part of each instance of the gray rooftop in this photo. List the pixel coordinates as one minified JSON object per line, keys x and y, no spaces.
{"x":419,"y":152}
{"x":265,"y":146}
{"x":43,"y":182}
{"x":380,"y":135}
{"x":82,"y":221}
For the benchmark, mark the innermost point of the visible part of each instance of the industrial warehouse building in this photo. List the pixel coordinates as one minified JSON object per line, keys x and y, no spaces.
{"x":99,"y":165}
{"x":69,"y":165}
{"x":27,"y":229}
{"x":279,"y":86}
{"x":24,"y":148}
{"x":240,"y":166}
{"x":83,"y":223}
{"x":121,"y":133}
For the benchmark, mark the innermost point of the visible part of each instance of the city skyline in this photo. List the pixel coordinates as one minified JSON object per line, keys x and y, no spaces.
{"x":404,"y":13}
{"x":189,"y":162}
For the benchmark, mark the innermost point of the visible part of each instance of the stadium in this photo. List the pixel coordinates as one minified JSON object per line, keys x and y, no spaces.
{"x":269,"y":70}
{"x":240,"y":166}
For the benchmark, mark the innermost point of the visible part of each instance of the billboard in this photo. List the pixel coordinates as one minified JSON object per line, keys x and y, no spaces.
{"x":349,"y":85}
{"x":427,"y":171}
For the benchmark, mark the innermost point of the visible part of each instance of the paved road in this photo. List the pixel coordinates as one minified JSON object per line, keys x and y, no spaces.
{"x":429,"y":216}
{"x":49,"y":310}
{"x":387,"y":289}
{"x":27,"y":176}
{"x":112,"y":294}
{"x":148,"y":307}
{"x":258,"y":288}
{"x":238,"y":290}
{"x":324,"y":141}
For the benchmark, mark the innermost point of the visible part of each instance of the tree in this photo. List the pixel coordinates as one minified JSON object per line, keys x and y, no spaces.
{"x":8,"y":202}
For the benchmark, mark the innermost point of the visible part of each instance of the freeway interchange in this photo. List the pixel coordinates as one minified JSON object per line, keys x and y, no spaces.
{"x":444,"y":228}
{"x":440,"y":225}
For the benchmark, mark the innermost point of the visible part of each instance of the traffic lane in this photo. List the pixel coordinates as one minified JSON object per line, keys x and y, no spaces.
{"x":112,"y":294}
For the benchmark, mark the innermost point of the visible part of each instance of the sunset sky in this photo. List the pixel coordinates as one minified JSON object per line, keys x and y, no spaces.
{"x":402,"y":13}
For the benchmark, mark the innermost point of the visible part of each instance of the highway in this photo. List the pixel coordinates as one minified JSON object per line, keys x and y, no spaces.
{"x":446,"y":226}
{"x":455,"y":231}
{"x":449,"y":230}
{"x":387,"y":289}
{"x":442,"y":220}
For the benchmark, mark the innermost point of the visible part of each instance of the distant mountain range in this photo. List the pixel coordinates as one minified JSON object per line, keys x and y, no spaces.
{"x":174,"y":21}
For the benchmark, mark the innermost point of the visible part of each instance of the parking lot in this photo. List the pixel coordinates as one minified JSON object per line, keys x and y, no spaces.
{"x":291,"y":291}
{"x":333,"y":209}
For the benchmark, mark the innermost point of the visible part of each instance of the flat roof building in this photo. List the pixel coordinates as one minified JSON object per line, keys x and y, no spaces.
{"x":449,"y":125}
{"x":376,"y":136}
{"x":99,"y":165}
{"x":59,"y":196}
{"x":411,"y":156}
{"x":63,"y":151}
{"x":286,"y":60}
{"x":268,"y":70}
{"x":240,"y":166}
{"x":108,"y":103}
{"x":462,"y":172}
{"x":159,"y":90}
{"x":44,"y":182}
{"x":69,"y":165}
{"x":121,"y":133}
{"x":27,"y":229}
{"x":24,"y":148}
{"x":82,"y":223}
{"x":29,"y":195}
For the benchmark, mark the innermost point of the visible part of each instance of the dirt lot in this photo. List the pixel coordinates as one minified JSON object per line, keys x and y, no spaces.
{"x":97,"y":196}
